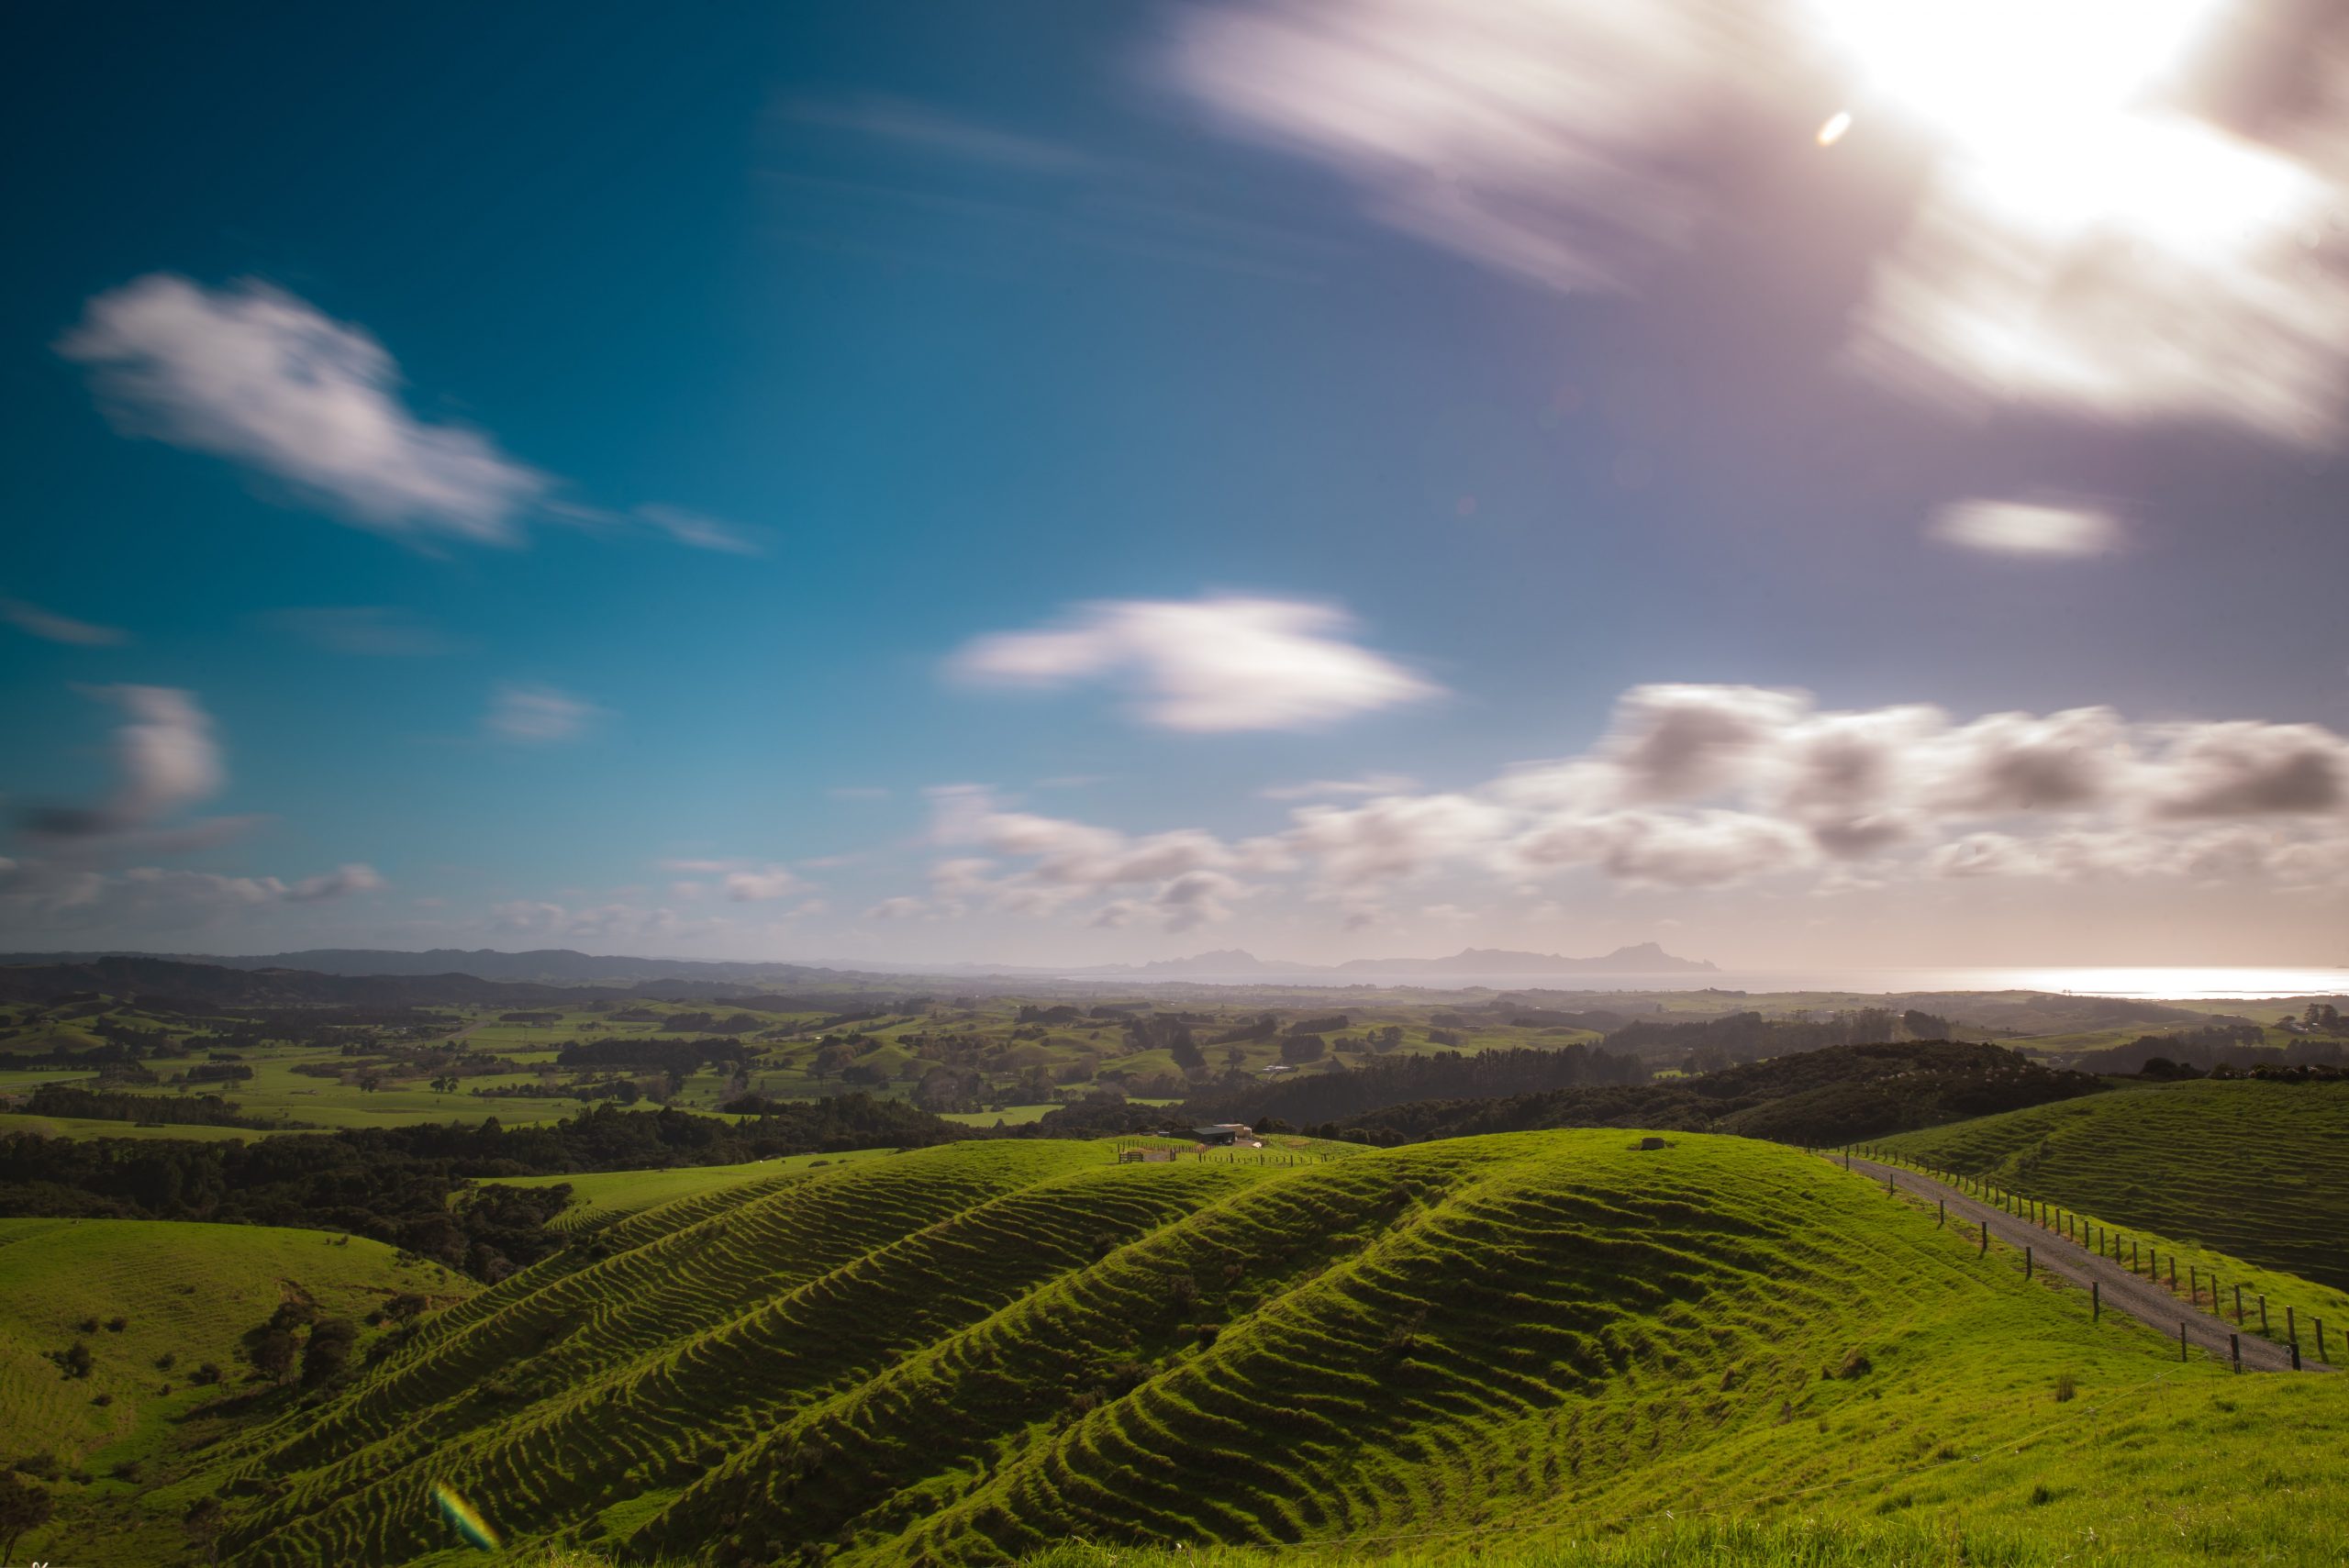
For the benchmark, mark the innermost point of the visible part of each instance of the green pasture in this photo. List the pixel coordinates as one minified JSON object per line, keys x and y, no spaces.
{"x":2257,"y":1171}
{"x":182,"y":1290}
{"x":599,"y":1197}
{"x":975,"y":1353}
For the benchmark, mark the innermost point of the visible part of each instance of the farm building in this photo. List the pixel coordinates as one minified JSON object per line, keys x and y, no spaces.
{"x":1224,"y":1134}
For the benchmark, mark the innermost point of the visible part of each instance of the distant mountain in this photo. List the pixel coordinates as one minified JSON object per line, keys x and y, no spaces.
{"x":542,"y":966}
{"x":1646,"y":958}
{"x":1226,"y":963}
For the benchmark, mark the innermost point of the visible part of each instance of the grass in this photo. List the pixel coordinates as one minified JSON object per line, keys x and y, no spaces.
{"x":180,"y":1290}
{"x":1526,"y":1345}
{"x":2258,"y":1170}
{"x":599,"y":1198}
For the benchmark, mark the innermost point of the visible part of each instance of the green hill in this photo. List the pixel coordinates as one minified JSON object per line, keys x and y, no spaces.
{"x":2258,"y":1170}
{"x":973,"y":1353}
{"x":137,"y":1292}
{"x":1831,"y":1096}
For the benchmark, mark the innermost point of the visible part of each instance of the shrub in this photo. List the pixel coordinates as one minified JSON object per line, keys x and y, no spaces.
{"x":2065,"y":1388}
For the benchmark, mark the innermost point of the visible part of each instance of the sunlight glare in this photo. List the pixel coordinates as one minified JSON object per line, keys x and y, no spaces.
{"x":1832,"y":131}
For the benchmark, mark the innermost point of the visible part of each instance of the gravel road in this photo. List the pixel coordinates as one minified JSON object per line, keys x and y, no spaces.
{"x":2149,"y":1302}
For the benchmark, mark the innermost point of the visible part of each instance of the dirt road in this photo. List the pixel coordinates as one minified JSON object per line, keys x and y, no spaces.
{"x":2148,"y":1302}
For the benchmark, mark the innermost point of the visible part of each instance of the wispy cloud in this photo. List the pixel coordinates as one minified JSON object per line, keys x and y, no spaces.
{"x":1314,"y":789}
{"x":923,"y":128}
{"x":250,"y":374}
{"x":536,"y":715}
{"x":50,"y":627}
{"x":1228,"y":662}
{"x":266,"y":379}
{"x":700,"y":532}
{"x":2086,"y":239}
{"x":2027,"y":529}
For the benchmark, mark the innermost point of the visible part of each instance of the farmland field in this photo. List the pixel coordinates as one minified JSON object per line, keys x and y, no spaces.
{"x":599,"y":1197}
{"x":2258,"y":1170}
{"x":155,"y":1302}
{"x":1510,"y":1331}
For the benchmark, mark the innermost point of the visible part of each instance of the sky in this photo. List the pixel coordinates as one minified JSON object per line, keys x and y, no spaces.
{"x":1802,"y":482}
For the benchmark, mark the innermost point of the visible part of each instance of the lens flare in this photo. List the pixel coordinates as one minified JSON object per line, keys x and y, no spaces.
{"x":465,"y":1518}
{"x":1832,"y":131}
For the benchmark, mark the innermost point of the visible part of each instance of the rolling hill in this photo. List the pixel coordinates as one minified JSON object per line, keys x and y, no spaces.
{"x":184,"y":1291}
{"x":2259,"y":1170}
{"x":971,"y":1352}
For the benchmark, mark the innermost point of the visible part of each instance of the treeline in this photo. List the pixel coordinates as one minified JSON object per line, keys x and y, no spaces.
{"x":1833,"y":1096}
{"x":169,"y":1110}
{"x":2217,"y":1045}
{"x":680,"y":1056}
{"x":1747,"y":1036}
{"x":414,"y":1187}
{"x":1399,"y":1080}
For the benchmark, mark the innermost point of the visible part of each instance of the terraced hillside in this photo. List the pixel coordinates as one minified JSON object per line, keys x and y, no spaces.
{"x":153,"y":1302}
{"x":970,"y":1352}
{"x":2258,"y":1170}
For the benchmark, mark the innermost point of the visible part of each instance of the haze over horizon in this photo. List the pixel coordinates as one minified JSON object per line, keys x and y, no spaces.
{"x":1088,"y":485}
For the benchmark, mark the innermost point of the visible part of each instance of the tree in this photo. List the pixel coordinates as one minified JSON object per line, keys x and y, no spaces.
{"x":1299,"y":1049}
{"x":273,"y":1353}
{"x":328,"y":1350}
{"x":1187,"y":1053}
{"x":24,"y":1504}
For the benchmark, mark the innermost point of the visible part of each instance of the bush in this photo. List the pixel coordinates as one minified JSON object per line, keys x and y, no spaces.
{"x":2065,"y":1389}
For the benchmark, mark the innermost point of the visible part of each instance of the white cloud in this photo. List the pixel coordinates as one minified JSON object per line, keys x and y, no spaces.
{"x":760,"y":885}
{"x":50,"y":627}
{"x":2250,"y":771}
{"x":252,"y":374}
{"x":2026,"y":529}
{"x":701,"y":532}
{"x":2084,"y":238}
{"x":40,"y":896}
{"x":1219,"y":663}
{"x":900,"y":909}
{"x":1316,"y":789}
{"x":1697,"y":786}
{"x":335,"y":883}
{"x":535,"y":715}
{"x":165,"y":758}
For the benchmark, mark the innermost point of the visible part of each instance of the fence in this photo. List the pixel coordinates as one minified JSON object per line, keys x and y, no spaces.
{"x":2143,"y":1255}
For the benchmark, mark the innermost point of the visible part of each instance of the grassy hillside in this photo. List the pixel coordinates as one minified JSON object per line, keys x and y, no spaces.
{"x":599,"y":1198}
{"x":1837,"y":1095}
{"x":187,"y":1291}
{"x":971,"y":1352}
{"x":2258,"y":1170}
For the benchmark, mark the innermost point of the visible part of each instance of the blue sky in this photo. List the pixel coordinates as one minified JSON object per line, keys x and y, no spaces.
{"x":884,"y":482}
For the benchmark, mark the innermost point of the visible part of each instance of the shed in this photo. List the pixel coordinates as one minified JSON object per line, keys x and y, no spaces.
{"x":1223,"y":1134}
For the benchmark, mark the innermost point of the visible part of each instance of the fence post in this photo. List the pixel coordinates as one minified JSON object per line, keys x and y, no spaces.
{"x":2238,"y":1307}
{"x":1940,"y":1217}
{"x":2181,"y":1338}
{"x":2263,"y":1315}
{"x":2173,"y":1274}
{"x":2292,"y":1337}
{"x":2026,"y":1261}
{"x":2194,"y":1283}
{"x":2234,"y":1347}
{"x":2319,"y":1338}
{"x":1984,"y":1249}
{"x":2096,"y":1305}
